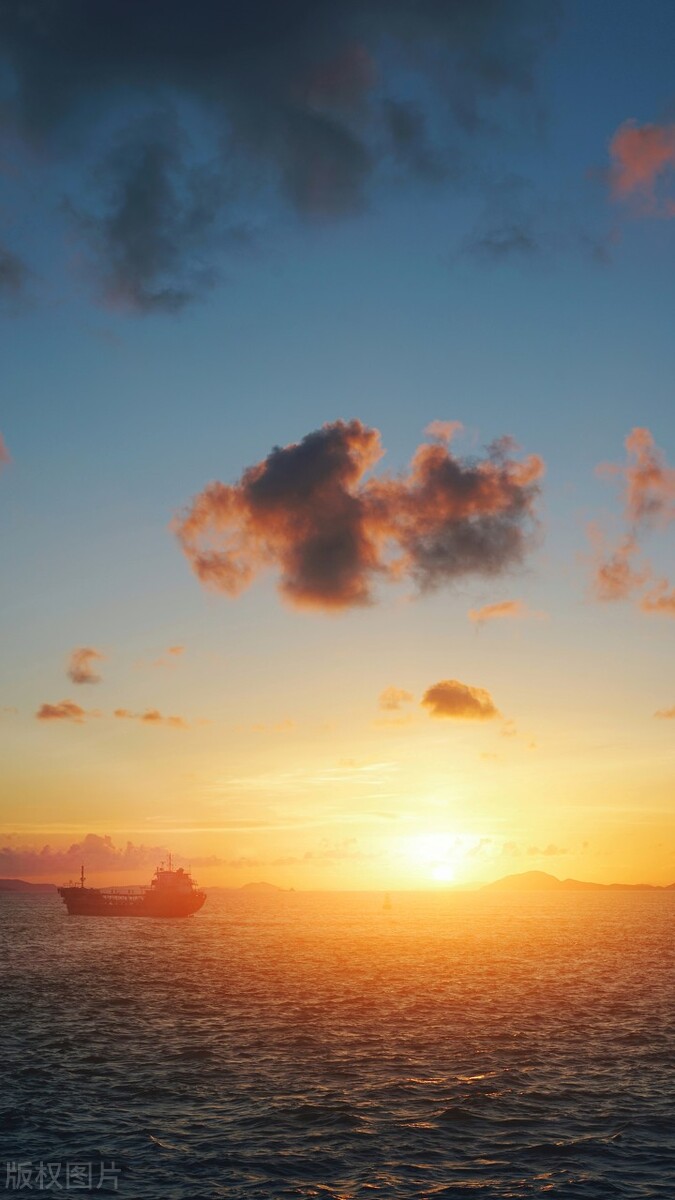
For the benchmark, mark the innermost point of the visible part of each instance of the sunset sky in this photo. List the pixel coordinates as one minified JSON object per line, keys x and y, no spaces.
{"x":337,"y":455}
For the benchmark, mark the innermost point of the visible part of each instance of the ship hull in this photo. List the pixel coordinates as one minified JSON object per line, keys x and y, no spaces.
{"x":88,"y":902}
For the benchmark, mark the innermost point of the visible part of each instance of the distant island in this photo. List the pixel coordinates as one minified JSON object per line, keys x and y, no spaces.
{"x":540,"y":881}
{"x":20,"y":885}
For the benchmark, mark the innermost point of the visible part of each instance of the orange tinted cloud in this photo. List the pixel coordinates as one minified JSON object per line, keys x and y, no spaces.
{"x":4,"y":452}
{"x":450,"y":698}
{"x":659,"y":599}
{"x":308,"y":511}
{"x":648,"y":481}
{"x":80,"y":665}
{"x":615,"y":577}
{"x":64,"y":710}
{"x":392,"y":698}
{"x":505,"y":609}
{"x":151,"y":716}
{"x":641,"y":155}
{"x":648,"y":494}
{"x":666,"y":714}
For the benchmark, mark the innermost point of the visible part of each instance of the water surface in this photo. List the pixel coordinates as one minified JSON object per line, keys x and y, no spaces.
{"x":315,"y":1045}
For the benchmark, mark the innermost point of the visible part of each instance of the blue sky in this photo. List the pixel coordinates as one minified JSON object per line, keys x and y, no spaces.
{"x":116,"y":418}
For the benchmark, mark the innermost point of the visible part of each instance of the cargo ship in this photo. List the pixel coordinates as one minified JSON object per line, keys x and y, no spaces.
{"x":170,"y":894}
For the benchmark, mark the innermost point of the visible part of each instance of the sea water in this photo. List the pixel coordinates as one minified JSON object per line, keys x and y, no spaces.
{"x":318,"y":1045}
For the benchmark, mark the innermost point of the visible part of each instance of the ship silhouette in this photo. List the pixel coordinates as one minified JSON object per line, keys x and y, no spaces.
{"x":170,"y":894}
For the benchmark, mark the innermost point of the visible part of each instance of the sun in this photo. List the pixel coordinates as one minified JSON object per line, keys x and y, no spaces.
{"x":442,"y":873}
{"x":435,"y":855}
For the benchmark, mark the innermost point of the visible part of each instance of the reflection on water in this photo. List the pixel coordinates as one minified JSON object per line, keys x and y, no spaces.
{"x":294,"y":1045}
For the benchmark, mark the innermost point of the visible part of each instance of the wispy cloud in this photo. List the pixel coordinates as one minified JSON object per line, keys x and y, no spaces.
{"x":151,"y":716}
{"x":648,"y":493}
{"x":511,"y":610}
{"x":393,"y":698}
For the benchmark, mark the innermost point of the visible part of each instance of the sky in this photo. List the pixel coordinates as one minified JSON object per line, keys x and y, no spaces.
{"x":337,"y":454}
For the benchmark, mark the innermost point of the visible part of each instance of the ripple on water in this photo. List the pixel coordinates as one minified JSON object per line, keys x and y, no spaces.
{"x":316,"y":1047}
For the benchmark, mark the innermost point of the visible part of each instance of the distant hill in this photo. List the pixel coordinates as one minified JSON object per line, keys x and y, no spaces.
{"x":260,"y":887}
{"x":20,"y":885}
{"x":540,"y":881}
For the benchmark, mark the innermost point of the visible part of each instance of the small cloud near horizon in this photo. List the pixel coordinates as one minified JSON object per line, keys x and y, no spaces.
{"x":665,"y":714}
{"x":459,"y":701}
{"x":96,"y":852}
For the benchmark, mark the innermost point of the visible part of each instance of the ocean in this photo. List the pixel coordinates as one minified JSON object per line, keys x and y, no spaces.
{"x":317,"y":1046}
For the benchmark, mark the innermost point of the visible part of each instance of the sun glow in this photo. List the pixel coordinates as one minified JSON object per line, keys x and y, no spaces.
{"x":435,"y":855}
{"x":442,"y":873}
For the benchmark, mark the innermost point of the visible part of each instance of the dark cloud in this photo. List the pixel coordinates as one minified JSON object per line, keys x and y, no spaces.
{"x":306,"y":101}
{"x":332,"y":534}
{"x":81,"y":665}
{"x":152,"y":232}
{"x":459,"y":701}
{"x":14,"y":276}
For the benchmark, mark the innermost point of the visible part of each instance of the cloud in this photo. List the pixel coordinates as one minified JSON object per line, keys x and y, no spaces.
{"x":168,"y":658}
{"x":641,"y":157}
{"x":393,"y":698}
{"x":151,"y":716}
{"x":151,"y":233}
{"x":332,"y":534}
{"x":98,"y":854}
{"x":459,"y":701}
{"x":502,"y":610}
{"x":14,"y":276}
{"x":4,"y":452}
{"x":550,"y":851}
{"x":301,"y":106}
{"x":648,"y":494}
{"x":659,"y":599}
{"x":64,"y":710}
{"x":80,"y":665}
{"x":665,"y":714}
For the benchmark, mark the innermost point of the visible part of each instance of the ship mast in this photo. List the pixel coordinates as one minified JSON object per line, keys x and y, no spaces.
{"x":82,"y":876}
